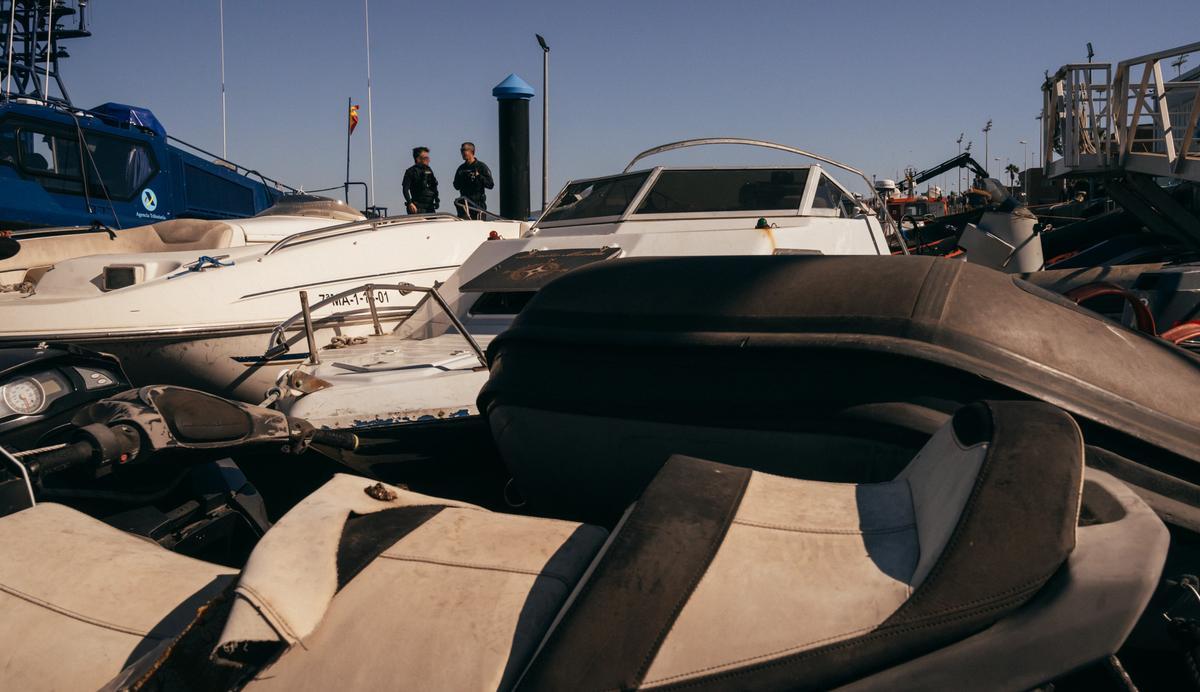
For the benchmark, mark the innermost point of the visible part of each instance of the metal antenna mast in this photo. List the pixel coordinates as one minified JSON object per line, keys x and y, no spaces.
{"x":49,"y":49}
{"x":1177,"y":63}
{"x":224,"y":138}
{"x":12,"y":29}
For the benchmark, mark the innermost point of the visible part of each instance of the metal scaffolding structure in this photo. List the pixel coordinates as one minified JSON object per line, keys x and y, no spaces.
{"x":30,"y":49}
{"x":1101,"y":120}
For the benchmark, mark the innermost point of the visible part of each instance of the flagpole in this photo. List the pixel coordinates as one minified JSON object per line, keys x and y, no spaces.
{"x":370,"y":117}
{"x":346,"y":186}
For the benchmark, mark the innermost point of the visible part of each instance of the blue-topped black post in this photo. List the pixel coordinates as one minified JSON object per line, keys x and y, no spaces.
{"x":513,"y":95}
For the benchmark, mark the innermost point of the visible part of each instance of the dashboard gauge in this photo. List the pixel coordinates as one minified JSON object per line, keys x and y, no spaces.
{"x":24,"y":396}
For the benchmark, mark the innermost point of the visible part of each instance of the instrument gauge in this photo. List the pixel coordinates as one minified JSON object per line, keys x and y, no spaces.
{"x":24,"y":396}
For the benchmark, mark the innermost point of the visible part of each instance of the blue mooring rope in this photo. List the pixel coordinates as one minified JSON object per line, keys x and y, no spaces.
{"x":203,"y":262}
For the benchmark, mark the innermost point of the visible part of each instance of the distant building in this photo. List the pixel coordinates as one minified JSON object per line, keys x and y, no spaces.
{"x":1179,"y":107}
{"x":1042,"y":190}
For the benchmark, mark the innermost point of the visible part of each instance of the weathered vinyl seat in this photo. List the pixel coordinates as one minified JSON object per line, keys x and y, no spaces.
{"x":165,"y":236}
{"x":719,"y":577}
{"x":812,"y":584}
{"x":367,"y":583}
{"x":80,"y":600}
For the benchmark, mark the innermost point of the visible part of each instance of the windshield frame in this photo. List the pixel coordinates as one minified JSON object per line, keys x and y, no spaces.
{"x":651,"y":175}
{"x":629,"y":214}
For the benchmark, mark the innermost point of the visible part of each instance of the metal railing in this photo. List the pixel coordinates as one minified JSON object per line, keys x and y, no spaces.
{"x":354,"y":227}
{"x":236,"y":167}
{"x":474,"y":212}
{"x":277,"y":343}
{"x":1096,"y":118}
{"x":1077,"y":118}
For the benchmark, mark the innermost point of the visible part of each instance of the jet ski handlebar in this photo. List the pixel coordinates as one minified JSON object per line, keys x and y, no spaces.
{"x":136,"y":426}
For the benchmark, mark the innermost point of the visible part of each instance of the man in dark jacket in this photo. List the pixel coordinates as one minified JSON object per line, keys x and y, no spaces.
{"x":420,"y":185}
{"x":471,"y":180}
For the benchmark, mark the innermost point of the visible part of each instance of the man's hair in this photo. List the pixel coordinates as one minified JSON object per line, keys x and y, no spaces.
{"x":417,"y":151}
{"x":468,"y":144}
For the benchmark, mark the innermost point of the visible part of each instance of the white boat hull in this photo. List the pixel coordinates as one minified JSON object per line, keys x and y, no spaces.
{"x":208,"y":329}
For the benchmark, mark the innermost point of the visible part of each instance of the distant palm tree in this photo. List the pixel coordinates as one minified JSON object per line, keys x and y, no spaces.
{"x":1013,"y":171}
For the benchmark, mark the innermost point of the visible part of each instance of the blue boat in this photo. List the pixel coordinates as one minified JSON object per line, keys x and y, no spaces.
{"x":112,"y":166}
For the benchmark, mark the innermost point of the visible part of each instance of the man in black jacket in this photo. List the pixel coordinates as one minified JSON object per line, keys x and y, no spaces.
{"x":471,"y":180}
{"x":420,"y":185}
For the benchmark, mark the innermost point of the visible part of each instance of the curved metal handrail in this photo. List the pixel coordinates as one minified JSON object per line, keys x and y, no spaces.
{"x":354,"y":227}
{"x":277,"y":344}
{"x":885,"y":218}
{"x":683,"y":144}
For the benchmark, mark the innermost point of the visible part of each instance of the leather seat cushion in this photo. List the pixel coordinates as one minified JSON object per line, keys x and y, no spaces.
{"x":79,"y":599}
{"x":460,"y":600}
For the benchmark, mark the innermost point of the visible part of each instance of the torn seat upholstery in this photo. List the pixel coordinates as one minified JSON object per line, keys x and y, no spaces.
{"x":363,"y":582}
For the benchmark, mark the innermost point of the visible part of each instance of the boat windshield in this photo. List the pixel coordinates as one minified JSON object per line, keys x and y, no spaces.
{"x":725,"y":190}
{"x":592,"y":199}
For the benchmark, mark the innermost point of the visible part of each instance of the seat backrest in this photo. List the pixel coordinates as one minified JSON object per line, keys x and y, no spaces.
{"x":811,"y":585}
{"x":193,"y":234}
{"x":940,"y":480}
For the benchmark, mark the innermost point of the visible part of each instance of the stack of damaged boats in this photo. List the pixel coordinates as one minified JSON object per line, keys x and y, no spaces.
{"x":720,"y":437}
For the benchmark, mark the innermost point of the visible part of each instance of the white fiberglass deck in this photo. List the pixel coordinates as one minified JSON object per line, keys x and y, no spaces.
{"x":387,"y":381}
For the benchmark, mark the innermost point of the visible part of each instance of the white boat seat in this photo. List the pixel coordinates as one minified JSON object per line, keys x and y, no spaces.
{"x":860,"y":576}
{"x":165,"y":236}
{"x":718,"y":576}
{"x":80,"y":600}
{"x":441,"y":594}
{"x":190,"y":234}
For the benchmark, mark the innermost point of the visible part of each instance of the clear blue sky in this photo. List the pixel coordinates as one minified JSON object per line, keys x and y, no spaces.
{"x":880,"y":85}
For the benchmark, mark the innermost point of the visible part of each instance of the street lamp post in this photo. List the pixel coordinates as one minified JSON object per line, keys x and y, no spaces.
{"x":1025,"y":171}
{"x":545,"y":118}
{"x":959,"y":143}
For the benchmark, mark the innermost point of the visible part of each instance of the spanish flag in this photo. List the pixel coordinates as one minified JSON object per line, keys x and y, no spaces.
{"x":353,"y":118}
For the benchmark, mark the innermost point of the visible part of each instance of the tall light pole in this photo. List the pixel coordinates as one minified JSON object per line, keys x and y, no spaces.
{"x":1041,"y":152}
{"x":545,"y":118}
{"x":1025,"y":170}
{"x":959,"y":143}
{"x":986,"y":160}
